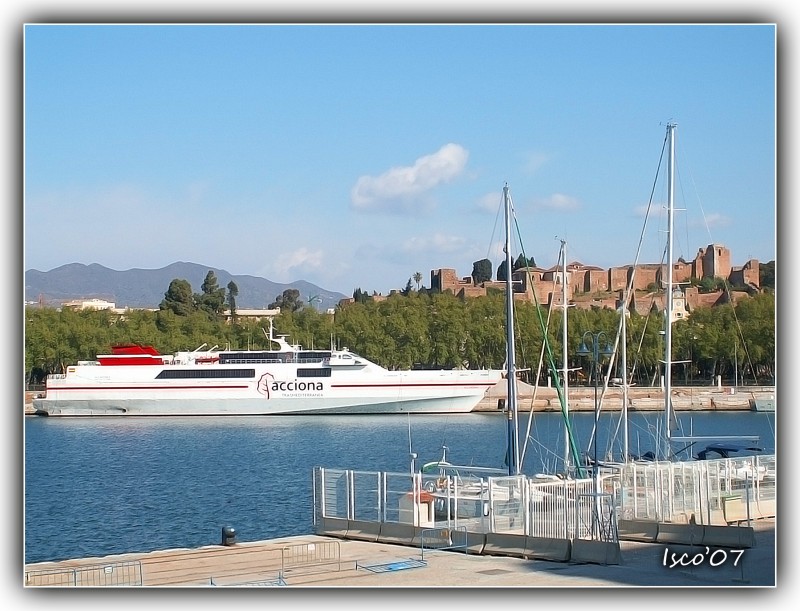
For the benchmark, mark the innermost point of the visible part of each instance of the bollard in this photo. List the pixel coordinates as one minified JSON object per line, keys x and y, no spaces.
{"x":228,"y":535}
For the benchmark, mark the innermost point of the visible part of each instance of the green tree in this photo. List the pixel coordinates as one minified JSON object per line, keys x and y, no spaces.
{"x":501,"y":271}
{"x":212,"y":299}
{"x":421,"y":330}
{"x":481,"y":271}
{"x":233,"y":292}
{"x":766,"y":275}
{"x":288,"y":301}
{"x":523,"y":262}
{"x":447,"y":331}
{"x":179,"y":298}
{"x":485,"y":343}
{"x":417,"y":279}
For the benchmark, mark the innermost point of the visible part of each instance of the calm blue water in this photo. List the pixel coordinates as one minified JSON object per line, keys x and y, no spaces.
{"x":103,"y":486}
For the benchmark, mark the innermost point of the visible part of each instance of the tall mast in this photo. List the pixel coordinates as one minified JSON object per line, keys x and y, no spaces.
{"x":564,"y":351}
{"x":513,"y":442}
{"x":668,"y":296}
{"x":624,"y":313}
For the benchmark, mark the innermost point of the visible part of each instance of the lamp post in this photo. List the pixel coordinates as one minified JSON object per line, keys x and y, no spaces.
{"x":590,"y":347}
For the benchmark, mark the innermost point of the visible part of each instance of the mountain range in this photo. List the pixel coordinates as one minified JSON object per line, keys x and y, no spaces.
{"x":145,"y":288}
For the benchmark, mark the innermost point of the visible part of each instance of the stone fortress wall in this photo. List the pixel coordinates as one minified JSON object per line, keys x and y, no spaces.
{"x":589,"y":286}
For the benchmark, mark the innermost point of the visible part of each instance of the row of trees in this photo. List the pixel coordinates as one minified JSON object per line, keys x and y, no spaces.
{"x":419,"y":329}
{"x":212,"y":301}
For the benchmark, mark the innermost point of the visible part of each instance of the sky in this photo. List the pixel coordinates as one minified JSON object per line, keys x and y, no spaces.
{"x":354,"y":156}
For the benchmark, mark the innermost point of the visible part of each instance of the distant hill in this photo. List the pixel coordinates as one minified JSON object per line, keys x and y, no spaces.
{"x":145,"y":288}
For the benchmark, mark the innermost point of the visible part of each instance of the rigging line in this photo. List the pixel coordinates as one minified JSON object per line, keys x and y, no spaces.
{"x":538,"y":367}
{"x":726,"y":286}
{"x":522,"y":350}
{"x":494,"y":229}
{"x":629,"y":291}
{"x":410,"y":447}
{"x":552,"y":368}
{"x":547,"y":453}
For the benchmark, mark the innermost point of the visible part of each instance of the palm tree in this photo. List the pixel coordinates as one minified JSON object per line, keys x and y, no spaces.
{"x":417,"y":279}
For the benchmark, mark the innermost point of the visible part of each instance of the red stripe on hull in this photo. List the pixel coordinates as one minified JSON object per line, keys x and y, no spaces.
{"x":102,"y":388}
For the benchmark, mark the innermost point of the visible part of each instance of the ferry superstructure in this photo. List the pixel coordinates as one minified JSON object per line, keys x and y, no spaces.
{"x":136,"y":380}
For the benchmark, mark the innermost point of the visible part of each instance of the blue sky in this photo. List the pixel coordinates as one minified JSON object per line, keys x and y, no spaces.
{"x":355,"y":156}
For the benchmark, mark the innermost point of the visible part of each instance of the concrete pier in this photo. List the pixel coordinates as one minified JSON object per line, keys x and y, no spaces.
{"x":581,"y":398}
{"x":364,"y":564}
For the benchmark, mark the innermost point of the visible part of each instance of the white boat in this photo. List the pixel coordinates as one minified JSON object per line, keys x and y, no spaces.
{"x":667,"y":448}
{"x":136,"y":380}
{"x":467,"y":491}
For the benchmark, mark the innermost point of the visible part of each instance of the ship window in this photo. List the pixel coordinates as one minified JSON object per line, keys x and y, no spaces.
{"x":196,"y":374}
{"x":314,"y":373}
{"x":251,"y":357}
{"x":312,"y":357}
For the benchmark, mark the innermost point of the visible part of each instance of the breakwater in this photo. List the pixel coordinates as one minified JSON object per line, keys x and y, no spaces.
{"x":582,"y":398}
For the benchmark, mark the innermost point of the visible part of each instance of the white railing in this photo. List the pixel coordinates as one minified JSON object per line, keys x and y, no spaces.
{"x":515,"y":505}
{"x":706,"y":491}
{"x":717,"y":492}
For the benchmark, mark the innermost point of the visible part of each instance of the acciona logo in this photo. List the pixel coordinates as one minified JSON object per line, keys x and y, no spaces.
{"x":295,"y":386}
{"x":264,"y":384}
{"x":268,"y":385}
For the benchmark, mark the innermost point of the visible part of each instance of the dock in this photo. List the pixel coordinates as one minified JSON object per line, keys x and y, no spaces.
{"x":365,"y":564}
{"x":640,"y":398}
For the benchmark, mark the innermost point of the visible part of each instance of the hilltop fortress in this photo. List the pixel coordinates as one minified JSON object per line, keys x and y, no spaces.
{"x":589,"y":286}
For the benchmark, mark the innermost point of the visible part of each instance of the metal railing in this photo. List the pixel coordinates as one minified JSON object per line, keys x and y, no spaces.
{"x":442,"y":539}
{"x":308,"y":558}
{"x":511,"y":505}
{"x":702,"y":490}
{"x":719,"y":492}
{"x":112,"y":574}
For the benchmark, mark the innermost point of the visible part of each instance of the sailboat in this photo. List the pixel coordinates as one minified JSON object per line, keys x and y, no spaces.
{"x":459,"y":489}
{"x":470,"y":482}
{"x":670,"y":489}
{"x":670,"y":293}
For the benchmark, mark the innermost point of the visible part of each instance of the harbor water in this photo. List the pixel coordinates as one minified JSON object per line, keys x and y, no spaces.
{"x":100,"y":486}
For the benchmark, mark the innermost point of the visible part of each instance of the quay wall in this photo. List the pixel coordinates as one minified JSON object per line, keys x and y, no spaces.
{"x":581,"y":398}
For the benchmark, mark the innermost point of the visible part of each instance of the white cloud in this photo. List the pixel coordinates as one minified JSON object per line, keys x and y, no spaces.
{"x":393,"y":190}
{"x":490,"y":202}
{"x":713,"y":220}
{"x":559,"y":201}
{"x":437,"y":243}
{"x":534,"y":161}
{"x":297,"y":261}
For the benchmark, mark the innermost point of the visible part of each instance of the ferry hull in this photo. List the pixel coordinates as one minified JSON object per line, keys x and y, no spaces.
{"x":137,"y":381}
{"x":253,"y":407}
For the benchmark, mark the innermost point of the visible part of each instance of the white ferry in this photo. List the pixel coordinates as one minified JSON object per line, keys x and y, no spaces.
{"x":136,"y":380}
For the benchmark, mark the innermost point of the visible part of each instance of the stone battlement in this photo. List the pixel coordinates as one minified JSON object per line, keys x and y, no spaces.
{"x":589,"y":286}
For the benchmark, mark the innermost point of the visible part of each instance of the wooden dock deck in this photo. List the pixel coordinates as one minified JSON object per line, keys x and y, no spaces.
{"x":364,"y":564}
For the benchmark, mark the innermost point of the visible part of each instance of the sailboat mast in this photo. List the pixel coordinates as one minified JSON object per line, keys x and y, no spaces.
{"x":624,"y":313}
{"x":564,"y":304}
{"x":513,"y":442}
{"x":668,"y":297}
